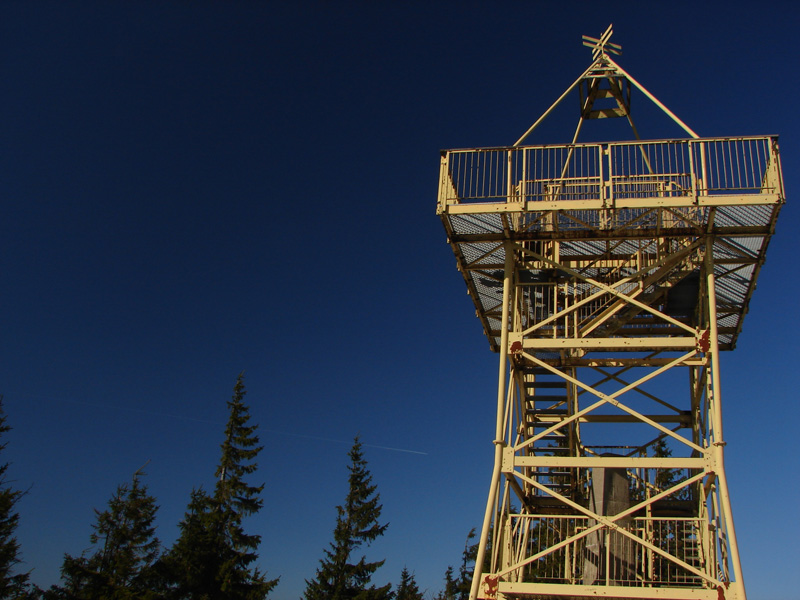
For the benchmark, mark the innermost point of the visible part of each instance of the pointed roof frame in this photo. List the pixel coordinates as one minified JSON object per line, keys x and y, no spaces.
{"x":603,"y":61}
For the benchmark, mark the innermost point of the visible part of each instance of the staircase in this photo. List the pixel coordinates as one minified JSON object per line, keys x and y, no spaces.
{"x":546,"y":404}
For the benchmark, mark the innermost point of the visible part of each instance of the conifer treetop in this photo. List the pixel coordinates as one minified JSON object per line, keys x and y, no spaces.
{"x":339,"y":576}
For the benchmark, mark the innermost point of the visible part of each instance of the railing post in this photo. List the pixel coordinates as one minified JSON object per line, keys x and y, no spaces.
{"x":703,"y":172}
{"x":442,"y":176}
{"x":602,"y":196}
{"x":692,"y":173}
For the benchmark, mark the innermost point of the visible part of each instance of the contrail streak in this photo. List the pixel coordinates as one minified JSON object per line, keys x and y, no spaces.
{"x":196,"y":420}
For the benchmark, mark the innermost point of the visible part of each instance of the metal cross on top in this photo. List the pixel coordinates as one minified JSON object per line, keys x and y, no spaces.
{"x":599,"y":46}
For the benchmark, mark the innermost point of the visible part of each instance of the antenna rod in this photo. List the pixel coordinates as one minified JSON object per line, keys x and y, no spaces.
{"x":556,"y":103}
{"x":654,"y":100}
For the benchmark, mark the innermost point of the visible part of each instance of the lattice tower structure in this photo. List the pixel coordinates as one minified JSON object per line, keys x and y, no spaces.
{"x":598,"y":271}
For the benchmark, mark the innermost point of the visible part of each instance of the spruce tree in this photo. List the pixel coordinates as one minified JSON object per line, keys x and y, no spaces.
{"x":450,"y":591}
{"x":12,"y":585}
{"x":339,"y":576}
{"x":407,"y":589}
{"x":467,"y":568}
{"x":459,"y":588}
{"x":121,"y":566}
{"x":213,"y":555}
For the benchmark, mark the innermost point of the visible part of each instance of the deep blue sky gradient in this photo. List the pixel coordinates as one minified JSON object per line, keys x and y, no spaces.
{"x":190,"y":190}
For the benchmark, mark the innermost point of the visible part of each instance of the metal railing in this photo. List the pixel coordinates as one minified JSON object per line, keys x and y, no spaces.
{"x":619,"y":170}
{"x":608,"y":557}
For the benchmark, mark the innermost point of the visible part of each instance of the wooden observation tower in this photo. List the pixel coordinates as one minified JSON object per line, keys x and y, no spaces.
{"x":601,"y":273}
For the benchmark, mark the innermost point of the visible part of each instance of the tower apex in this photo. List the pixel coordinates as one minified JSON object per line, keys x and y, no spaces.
{"x":601,"y":44}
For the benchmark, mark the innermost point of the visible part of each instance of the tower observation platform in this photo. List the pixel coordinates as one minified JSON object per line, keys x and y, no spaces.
{"x":602,"y":272}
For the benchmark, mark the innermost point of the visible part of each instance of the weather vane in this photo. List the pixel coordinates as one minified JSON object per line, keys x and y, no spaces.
{"x":600,"y":46}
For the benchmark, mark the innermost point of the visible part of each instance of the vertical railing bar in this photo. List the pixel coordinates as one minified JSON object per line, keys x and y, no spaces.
{"x":719,"y":157}
{"x":686,"y":152}
{"x":493,"y":175}
{"x":770,"y":155}
{"x":499,"y":175}
{"x":599,"y":167}
{"x":512,"y":173}
{"x":479,"y":159}
{"x":452,"y":163}
{"x":457,"y":175}
{"x":761,"y":171}
{"x":542,"y":172}
{"x":484,"y":173}
{"x":490,"y":183}
{"x":708,"y":166}
{"x":507,"y":172}
{"x":475,"y":174}
{"x":470,"y":170}
{"x":727,"y":164}
{"x":739,"y":146}
{"x":674,"y":157}
{"x":523,"y":182}
{"x":748,"y":175}
{"x":547,"y":165}
{"x":481,"y":174}
{"x":487,"y":174}
{"x":465,"y":174}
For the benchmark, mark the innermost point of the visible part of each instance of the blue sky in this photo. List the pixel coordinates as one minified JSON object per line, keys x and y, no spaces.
{"x":190,"y":190}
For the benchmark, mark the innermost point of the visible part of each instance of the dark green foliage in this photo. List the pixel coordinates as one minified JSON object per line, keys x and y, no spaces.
{"x":121,"y":566}
{"x":458,"y":589}
{"x":12,"y":585}
{"x":357,"y":524}
{"x":450,"y":591}
{"x":667,"y":478}
{"x":467,"y":566}
{"x":212,"y":558}
{"x":408,"y":588}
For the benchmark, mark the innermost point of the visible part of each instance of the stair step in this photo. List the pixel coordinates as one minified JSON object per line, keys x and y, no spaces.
{"x":559,"y":486}
{"x":547,"y":384}
{"x":547,"y":412}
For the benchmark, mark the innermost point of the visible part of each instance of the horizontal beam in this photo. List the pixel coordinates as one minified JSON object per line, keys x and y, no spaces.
{"x":620,"y":362}
{"x":501,"y":205}
{"x":599,"y":591}
{"x":608,"y":462}
{"x":666,"y":343}
{"x":591,"y":418}
{"x":652,"y":332}
{"x":611,"y":234}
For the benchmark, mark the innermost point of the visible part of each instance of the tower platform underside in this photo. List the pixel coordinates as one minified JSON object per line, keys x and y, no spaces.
{"x":600,"y":273}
